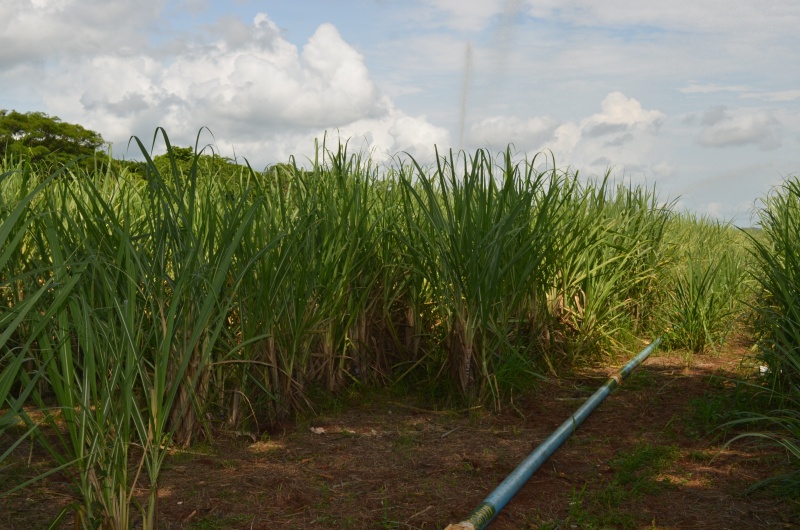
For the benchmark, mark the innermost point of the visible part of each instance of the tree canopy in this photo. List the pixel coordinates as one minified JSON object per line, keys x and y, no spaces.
{"x":37,"y":137}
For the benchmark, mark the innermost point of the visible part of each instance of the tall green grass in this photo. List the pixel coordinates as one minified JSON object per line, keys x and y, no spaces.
{"x":147,"y":310}
{"x":472,"y":237}
{"x":609,"y":244}
{"x":144,"y":284}
{"x":307,"y":311}
{"x":776,"y":250}
{"x":21,"y":289}
{"x":778,"y":273}
{"x":705,"y":282}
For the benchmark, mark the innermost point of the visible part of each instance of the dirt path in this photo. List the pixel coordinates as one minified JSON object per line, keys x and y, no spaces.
{"x":642,"y":460}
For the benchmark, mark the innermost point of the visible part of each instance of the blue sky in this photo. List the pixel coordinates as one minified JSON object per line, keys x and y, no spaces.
{"x":701,"y":98}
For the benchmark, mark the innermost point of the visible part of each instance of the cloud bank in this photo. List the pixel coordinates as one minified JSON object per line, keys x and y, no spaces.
{"x":258,"y":93}
{"x":622,"y":134}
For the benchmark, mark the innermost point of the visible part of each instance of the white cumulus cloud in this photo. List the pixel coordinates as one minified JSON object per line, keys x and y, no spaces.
{"x":255,"y":90}
{"x":621,"y":134}
{"x":722,"y":127}
{"x":45,"y":30}
{"x":499,"y":131}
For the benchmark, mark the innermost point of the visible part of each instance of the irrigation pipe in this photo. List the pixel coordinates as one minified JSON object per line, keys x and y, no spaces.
{"x":496,"y":501}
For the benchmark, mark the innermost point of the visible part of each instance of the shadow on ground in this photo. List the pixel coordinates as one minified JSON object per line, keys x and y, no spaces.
{"x":642,"y":460}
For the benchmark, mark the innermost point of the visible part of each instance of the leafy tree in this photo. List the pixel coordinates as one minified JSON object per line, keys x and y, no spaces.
{"x":37,"y":137}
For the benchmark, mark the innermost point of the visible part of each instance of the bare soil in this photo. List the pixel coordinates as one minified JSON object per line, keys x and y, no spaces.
{"x":381,"y":461}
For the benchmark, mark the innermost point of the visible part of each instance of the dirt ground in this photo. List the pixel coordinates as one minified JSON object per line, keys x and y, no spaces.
{"x":642,"y":460}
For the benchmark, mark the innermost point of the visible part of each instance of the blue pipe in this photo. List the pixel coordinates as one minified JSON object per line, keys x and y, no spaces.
{"x":496,"y":501}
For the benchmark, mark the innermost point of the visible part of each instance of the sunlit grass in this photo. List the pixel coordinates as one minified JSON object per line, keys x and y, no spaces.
{"x":776,"y":251}
{"x":705,"y":282}
{"x":146,"y":310}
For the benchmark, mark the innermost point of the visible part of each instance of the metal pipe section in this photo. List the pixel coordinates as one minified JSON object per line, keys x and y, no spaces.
{"x":496,"y":501}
